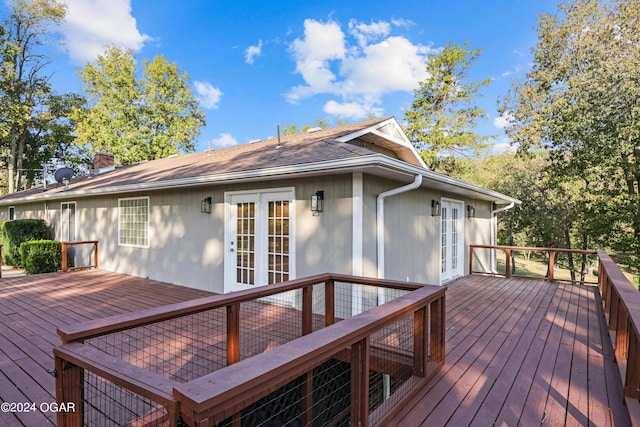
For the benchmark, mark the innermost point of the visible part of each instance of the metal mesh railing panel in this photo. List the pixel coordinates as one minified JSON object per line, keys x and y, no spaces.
{"x":180,"y":349}
{"x":391,"y":362}
{"x":109,"y":405}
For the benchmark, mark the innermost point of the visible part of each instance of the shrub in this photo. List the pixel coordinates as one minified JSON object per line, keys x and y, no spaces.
{"x":41,"y":256}
{"x":13,"y":233}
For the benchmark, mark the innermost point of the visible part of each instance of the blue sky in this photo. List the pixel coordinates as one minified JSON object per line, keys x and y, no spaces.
{"x":255,"y":64}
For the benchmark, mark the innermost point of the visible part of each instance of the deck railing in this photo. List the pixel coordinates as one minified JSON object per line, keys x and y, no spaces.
{"x":91,"y":255}
{"x":319,"y":349}
{"x":620,"y":299}
{"x":570,"y":265}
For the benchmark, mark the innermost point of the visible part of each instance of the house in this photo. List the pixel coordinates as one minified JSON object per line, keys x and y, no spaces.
{"x":355,"y":199}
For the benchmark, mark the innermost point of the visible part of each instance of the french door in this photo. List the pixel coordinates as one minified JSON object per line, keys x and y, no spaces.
{"x":451,"y":240}
{"x":259,"y":238}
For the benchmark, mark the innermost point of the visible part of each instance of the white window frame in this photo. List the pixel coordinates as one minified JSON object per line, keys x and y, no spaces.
{"x":148,"y":226}
{"x":11,"y":213}
{"x":75,"y":221}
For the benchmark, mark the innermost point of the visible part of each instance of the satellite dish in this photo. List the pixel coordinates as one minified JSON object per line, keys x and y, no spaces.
{"x":63,"y":175}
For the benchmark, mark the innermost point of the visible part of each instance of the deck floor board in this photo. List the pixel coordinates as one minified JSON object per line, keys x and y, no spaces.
{"x":517,"y":351}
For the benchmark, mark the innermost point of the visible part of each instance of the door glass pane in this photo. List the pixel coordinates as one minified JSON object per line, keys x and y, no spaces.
{"x":245,"y":238}
{"x":443,"y":240}
{"x":278,"y":241}
{"x":454,"y":238}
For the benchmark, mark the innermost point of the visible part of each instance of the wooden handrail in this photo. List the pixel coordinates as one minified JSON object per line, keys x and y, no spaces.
{"x":621,"y":301}
{"x":508,"y":252}
{"x":120,"y":322}
{"x":248,"y":380}
{"x":348,"y":340}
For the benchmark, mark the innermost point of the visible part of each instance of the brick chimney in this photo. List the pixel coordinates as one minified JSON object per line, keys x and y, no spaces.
{"x":103,"y":160}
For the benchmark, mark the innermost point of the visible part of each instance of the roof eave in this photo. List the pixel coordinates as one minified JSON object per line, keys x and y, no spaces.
{"x":281,"y":172}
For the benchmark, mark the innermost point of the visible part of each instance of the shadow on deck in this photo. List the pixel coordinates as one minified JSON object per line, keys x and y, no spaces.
{"x":517,"y":350}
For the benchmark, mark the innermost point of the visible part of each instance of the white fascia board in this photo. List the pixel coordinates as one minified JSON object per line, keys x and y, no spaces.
{"x":280,"y":172}
{"x":404,"y":142}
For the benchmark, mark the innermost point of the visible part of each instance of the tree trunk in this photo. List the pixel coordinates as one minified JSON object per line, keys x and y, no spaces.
{"x":572,"y":270}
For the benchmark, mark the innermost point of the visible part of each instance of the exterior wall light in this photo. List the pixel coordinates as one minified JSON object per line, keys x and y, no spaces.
{"x":471,"y":211}
{"x":317,"y":202}
{"x":435,"y":208}
{"x":205,"y":205}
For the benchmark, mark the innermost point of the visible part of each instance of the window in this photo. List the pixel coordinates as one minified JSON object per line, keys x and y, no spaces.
{"x":12,"y":212}
{"x":133,"y":222}
{"x":68,"y":222}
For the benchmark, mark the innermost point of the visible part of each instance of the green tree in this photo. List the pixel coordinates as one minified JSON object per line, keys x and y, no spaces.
{"x":581,"y":101}
{"x":137,"y":119}
{"x":442,"y":118}
{"x":25,"y":93}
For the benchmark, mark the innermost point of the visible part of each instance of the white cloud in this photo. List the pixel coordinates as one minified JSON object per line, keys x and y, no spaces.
{"x":515,"y":70}
{"x":374,"y":64}
{"x":366,"y":33}
{"x":92,"y":25}
{"x":351,"y":110}
{"x":503,"y":120}
{"x":208,"y":95}
{"x":503,"y":147}
{"x":322,"y":43}
{"x":252,"y":52}
{"x":401,"y":22}
{"x":225,"y":140}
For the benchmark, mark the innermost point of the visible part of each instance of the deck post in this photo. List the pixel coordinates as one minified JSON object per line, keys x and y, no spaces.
{"x":69,"y":392}
{"x":360,"y":383}
{"x":470,"y":259}
{"x":233,"y":333}
{"x":507,"y":263}
{"x":329,"y":302}
{"x":307,"y":310}
{"x":307,"y":399}
{"x":95,"y":254}
{"x":420,"y":340}
{"x":552,"y":264}
{"x":437,"y":311}
{"x":64,"y":256}
{"x":632,"y":374}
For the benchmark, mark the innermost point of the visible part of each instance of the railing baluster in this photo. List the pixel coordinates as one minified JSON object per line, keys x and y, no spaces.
{"x":233,"y":333}
{"x":552,"y":264}
{"x":360,"y":383}
{"x":330,"y":302}
{"x":420,"y":340}
{"x":307,"y":310}
{"x":507,"y":263}
{"x":70,"y":392}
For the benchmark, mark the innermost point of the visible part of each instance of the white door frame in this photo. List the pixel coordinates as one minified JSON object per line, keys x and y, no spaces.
{"x":451,"y":265}
{"x":261,"y":199}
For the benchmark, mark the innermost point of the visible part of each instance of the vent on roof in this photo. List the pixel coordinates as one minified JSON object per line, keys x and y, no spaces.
{"x":315,"y":129}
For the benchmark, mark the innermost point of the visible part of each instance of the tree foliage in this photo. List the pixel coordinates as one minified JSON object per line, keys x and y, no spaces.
{"x":442,"y":118}
{"x":31,"y":121}
{"x":581,"y":102}
{"x":133,"y":118}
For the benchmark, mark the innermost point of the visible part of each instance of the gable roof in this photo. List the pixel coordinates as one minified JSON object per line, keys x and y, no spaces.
{"x":376,"y":146}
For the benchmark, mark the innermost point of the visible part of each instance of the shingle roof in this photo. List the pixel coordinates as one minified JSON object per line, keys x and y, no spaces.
{"x":298,"y":149}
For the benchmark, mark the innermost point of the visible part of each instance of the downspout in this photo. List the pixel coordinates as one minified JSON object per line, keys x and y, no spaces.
{"x":493,"y":236}
{"x":417,"y":182}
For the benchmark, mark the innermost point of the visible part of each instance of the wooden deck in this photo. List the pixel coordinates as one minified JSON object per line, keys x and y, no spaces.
{"x":518,"y":351}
